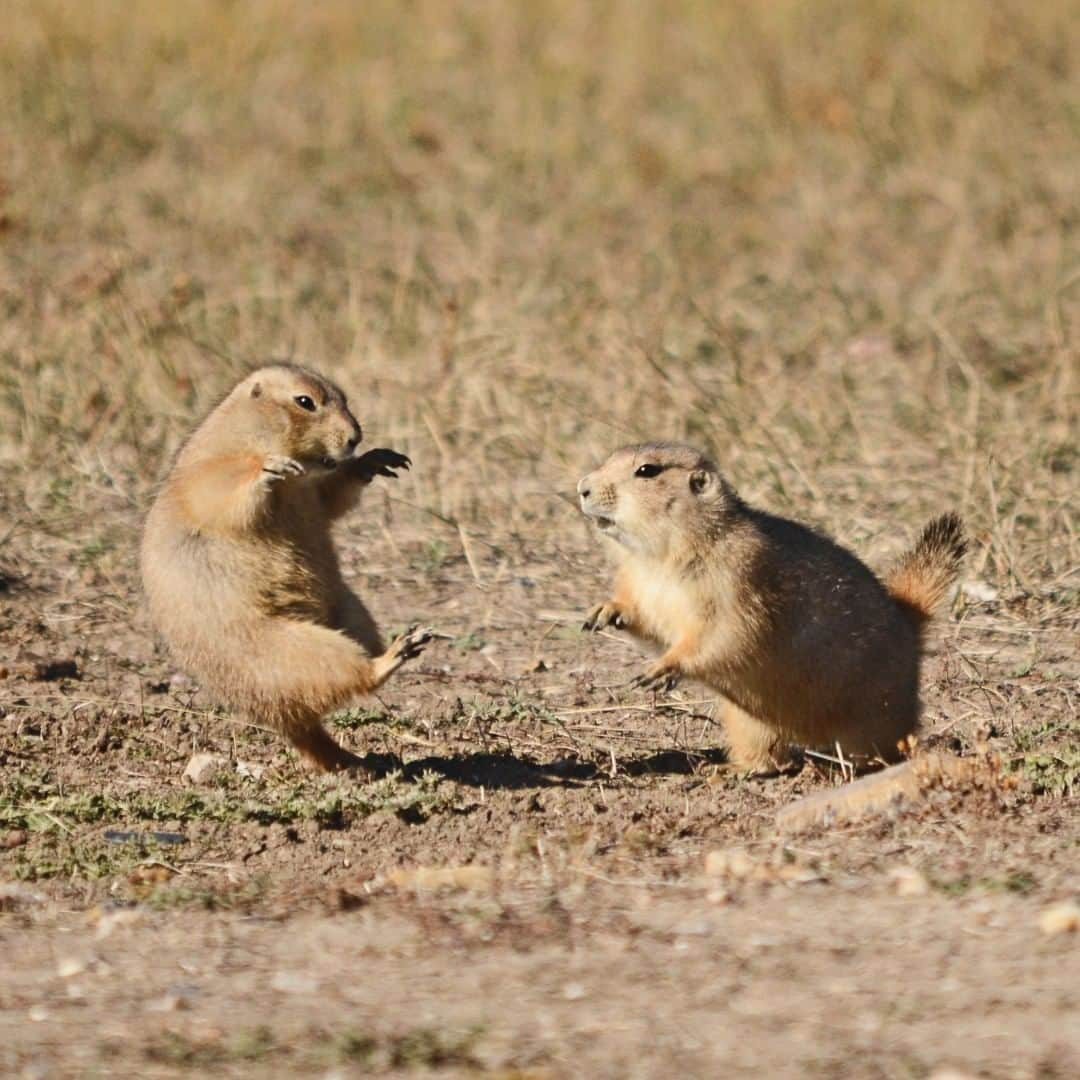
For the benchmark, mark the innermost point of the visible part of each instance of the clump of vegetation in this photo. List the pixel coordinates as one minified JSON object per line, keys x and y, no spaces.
{"x":178,"y":1050}
{"x":58,"y":819}
{"x":1055,"y":774}
{"x":414,"y":1049}
{"x":1049,"y":757}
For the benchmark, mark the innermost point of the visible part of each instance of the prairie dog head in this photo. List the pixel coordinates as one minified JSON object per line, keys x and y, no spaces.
{"x":662,"y":500}
{"x":297,"y":412}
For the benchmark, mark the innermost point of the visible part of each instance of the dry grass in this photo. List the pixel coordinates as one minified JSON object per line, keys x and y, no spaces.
{"x":840,"y":248}
{"x":837,"y":243}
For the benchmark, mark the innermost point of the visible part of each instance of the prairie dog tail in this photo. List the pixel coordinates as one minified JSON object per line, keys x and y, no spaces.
{"x":920,"y":580}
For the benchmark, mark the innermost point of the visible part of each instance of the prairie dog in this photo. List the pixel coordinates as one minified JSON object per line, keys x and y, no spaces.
{"x":239,"y":566}
{"x":803,"y":642}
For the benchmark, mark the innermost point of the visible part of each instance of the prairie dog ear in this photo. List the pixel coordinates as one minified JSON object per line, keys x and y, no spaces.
{"x":256,"y":390}
{"x":704,"y":482}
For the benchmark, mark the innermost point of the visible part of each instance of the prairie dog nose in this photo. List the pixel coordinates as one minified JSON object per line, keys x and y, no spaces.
{"x":583,"y":487}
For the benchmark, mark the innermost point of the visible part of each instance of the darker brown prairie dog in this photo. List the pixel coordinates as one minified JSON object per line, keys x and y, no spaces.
{"x":804,"y":643}
{"x":239,"y":565}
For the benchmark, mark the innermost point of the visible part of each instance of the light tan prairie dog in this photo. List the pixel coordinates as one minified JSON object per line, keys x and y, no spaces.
{"x":805,"y":644}
{"x":239,"y":565}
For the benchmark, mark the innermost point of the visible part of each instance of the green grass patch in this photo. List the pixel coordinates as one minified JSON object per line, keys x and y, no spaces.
{"x":59,"y":820}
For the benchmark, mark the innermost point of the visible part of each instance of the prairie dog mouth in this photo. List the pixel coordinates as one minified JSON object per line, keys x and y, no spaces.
{"x":588,"y":508}
{"x":333,"y":461}
{"x":602,"y":521}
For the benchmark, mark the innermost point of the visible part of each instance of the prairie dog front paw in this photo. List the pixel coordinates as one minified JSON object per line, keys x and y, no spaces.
{"x":411,"y":644}
{"x":276,"y":468}
{"x":381,"y":462}
{"x":660,"y":677}
{"x":606,"y":614}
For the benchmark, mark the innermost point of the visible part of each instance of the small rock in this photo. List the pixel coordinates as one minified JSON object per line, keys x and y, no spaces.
{"x":694,"y":926}
{"x":117,"y":920}
{"x":907,"y":881}
{"x":13,"y":838}
{"x":14,"y":896}
{"x":38,"y":1013}
{"x":149,"y":875}
{"x":734,"y":863}
{"x":250,"y":770}
{"x":174,"y":999}
{"x":574,"y":991}
{"x":294,"y":982}
{"x":1060,"y":918}
{"x":979,"y":590}
{"x":203,"y":767}
{"x":70,"y":966}
{"x":471,"y":876}
{"x":167,"y":1003}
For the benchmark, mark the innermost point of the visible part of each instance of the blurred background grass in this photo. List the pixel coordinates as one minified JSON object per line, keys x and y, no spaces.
{"x":835,"y":243}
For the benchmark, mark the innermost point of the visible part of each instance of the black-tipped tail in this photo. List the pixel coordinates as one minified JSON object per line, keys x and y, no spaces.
{"x":923,"y":577}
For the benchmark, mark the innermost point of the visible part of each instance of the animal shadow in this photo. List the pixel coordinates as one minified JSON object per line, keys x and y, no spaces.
{"x":507,"y":771}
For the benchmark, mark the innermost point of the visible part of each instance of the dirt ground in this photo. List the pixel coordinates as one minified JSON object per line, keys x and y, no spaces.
{"x":835,"y":245}
{"x":525,"y":891}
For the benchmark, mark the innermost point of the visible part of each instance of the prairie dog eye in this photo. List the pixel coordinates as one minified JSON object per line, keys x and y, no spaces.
{"x":304,"y":402}
{"x":647,"y":471}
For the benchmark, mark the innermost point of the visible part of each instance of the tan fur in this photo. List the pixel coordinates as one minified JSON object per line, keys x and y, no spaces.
{"x":805,"y":644}
{"x":239,"y":566}
{"x":922,"y":578}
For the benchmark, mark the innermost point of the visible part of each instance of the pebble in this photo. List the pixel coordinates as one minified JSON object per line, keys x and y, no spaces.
{"x":116,"y":920}
{"x":174,"y":999}
{"x":734,"y":863}
{"x":203,"y":767}
{"x":14,"y":896}
{"x":979,"y":590}
{"x":294,"y":982}
{"x":471,"y":876}
{"x":70,"y":966}
{"x":1063,"y":918}
{"x":907,"y":881}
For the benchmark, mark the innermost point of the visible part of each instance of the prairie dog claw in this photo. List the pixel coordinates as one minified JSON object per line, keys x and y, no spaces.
{"x":411,"y":643}
{"x":381,"y":462}
{"x":603,"y":615}
{"x":657,"y":679}
{"x":276,"y":468}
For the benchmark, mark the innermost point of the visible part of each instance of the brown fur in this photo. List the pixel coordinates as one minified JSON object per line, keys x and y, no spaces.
{"x":239,"y":566}
{"x":921,"y":579}
{"x":805,"y":644}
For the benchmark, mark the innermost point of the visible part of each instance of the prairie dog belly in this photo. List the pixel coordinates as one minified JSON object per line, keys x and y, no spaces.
{"x":666,"y":605}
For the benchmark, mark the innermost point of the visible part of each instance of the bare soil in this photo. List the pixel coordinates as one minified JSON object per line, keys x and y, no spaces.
{"x":836,"y":245}
{"x":524,"y":891}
